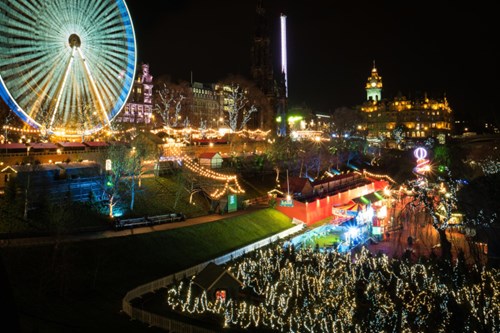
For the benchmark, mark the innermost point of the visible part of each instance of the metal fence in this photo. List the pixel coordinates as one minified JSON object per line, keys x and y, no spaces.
{"x":175,"y":326}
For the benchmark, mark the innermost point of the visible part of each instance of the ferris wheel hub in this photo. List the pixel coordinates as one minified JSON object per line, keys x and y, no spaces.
{"x":74,"y":40}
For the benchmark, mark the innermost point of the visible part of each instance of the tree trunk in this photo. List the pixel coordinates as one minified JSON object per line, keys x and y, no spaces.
{"x":319,"y":166}
{"x":111,"y":207}
{"x":445,"y":245}
{"x":132,"y":195}
{"x":26,"y":204}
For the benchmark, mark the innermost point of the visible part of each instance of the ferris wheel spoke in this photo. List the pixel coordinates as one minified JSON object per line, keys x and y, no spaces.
{"x":94,"y":87}
{"x":61,"y":87}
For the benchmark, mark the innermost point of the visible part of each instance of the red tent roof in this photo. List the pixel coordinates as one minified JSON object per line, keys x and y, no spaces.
{"x":41,"y":145}
{"x":336,"y":177}
{"x":294,"y":184}
{"x":208,"y":155}
{"x":71,"y":144}
{"x":12,"y":146}
{"x":210,"y":140}
{"x":96,"y":144}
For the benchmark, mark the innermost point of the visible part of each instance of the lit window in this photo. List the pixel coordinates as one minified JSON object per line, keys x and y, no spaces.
{"x":220,"y":295}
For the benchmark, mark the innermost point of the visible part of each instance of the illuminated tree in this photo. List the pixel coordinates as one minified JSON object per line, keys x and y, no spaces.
{"x":439,"y":200}
{"x":145,"y":151}
{"x":117,"y":154}
{"x":170,"y":99}
{"x":398,"y":134}
{"x":438,"y":196}
{"x":237,"y":107}
{"x":324,"y":291}
{"x":284,"y":154}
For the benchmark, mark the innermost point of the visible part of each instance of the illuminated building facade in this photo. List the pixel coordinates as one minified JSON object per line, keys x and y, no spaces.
{"x":205,"y":105}
{"x":139,"y":107}
{"x":418,"y":118}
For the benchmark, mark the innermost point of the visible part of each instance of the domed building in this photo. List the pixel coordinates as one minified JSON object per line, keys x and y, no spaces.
{"x":418,"y":118}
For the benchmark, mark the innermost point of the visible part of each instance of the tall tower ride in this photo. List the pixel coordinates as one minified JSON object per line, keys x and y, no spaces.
{"x":374,"y":85}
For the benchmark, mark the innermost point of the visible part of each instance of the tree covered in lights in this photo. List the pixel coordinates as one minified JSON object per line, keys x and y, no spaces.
{"x":436,"y":191}
{"x":438,"y":198}
{"x":237,"y":107}
{"x":126,"y":164}
{"x":170,"y":100}
{"x":252,"y":109}
{"x":303,"y":290}
{"x":284,"y":154}
{"x":398,"y":134}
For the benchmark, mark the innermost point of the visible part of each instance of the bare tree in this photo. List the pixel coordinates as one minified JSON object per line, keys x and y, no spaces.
{"x":142,"y":150}
{"x":118,"y":155}
{"x":170,"y":100}
{"x":439,"y":199}
{"x":264,"y":116}
{"x":238,"y":108}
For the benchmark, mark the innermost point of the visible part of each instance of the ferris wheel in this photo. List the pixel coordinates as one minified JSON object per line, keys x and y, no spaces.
{"x":66,"y":66}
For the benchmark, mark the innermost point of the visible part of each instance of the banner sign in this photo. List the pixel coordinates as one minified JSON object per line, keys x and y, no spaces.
{"x":286,"y":203}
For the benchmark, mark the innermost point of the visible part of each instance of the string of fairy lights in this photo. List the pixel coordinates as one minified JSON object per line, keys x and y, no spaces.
{"x":211,"y":131}
{"x":313,"y":291}
{"x":378,"y":176}
{"x":231,"y":183}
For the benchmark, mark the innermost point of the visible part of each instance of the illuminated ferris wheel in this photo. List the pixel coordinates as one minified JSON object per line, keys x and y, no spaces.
{"x":66,"y":66}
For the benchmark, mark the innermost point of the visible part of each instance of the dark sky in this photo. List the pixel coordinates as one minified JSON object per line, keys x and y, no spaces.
{"x":418,"y":47}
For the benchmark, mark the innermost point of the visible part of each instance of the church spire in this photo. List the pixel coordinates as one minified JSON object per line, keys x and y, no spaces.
{"x":261,"y":59}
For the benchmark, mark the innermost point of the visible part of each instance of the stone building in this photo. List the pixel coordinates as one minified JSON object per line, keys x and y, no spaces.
{"x":139,"y":107}
{"x":418,"y":118}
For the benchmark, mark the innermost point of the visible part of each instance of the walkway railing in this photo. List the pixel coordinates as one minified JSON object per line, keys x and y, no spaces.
{"x":172,"y":325}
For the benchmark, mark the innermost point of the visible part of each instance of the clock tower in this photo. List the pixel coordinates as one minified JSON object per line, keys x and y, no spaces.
{"x":374,"y":86}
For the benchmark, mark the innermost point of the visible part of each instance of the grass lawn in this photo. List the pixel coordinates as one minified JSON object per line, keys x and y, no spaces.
{"x":161,"y":195}
{"x":327,"y":240}
{"x":157,"y":196}
{"x":78,"y":287}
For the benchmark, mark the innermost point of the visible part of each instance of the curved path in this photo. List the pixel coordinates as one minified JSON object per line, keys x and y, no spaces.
{"x":82,"y":236}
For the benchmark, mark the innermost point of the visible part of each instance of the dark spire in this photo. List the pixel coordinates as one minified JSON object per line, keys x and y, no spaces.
{"x":261,"y":60}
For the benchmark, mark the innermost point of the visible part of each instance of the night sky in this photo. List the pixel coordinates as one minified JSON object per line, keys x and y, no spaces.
{"x":418,"y":48}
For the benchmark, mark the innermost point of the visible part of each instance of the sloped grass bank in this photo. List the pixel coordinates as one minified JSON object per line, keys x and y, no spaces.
{"x":78,"y":287}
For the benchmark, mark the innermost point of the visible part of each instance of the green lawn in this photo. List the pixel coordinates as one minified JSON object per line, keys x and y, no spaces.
{"x":327,"y":240}
{"x":156,"y":196}
{"x":78,"y":287}
{"x":161,"y":195}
